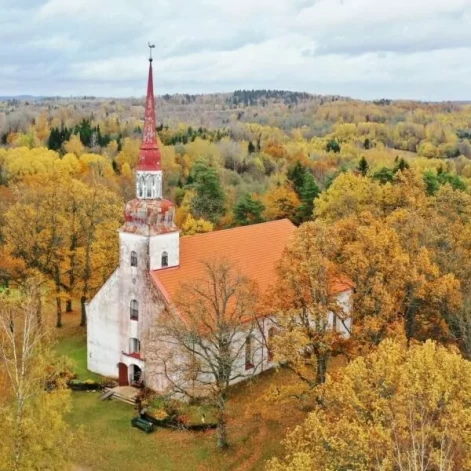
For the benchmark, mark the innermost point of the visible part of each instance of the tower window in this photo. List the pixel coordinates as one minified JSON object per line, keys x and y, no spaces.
{"x":133,"y":259}
{"x":248,"y":353}
{"x":165,"y":259}
{"x":134,"y":310}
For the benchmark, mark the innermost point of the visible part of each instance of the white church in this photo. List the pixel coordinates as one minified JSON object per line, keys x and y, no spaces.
{"x":154,"y":260}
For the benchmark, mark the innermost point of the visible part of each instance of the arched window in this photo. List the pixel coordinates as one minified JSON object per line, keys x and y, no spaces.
{"x":134,"y":345}
{"x":133,"y":259}
{"x":142,"y":186}
{"x":248,"y":353}
{"x":165,"y":259}
{"x":134,"y":310}
{"x":149,"y":186}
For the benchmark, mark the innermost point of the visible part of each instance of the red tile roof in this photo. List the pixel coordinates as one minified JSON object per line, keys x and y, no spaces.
{"x":253,"y":250}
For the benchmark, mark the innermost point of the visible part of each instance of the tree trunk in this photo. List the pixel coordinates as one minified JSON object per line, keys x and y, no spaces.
{"x":59,"y":312}
{"x":83,"y":315}
{"x":72,"y":258}
{"x":222,"y":428}
{"x":58,"y":298}
{"x":321,"y":369}
{"x":18,"y":434}
{"x":39,"y":310}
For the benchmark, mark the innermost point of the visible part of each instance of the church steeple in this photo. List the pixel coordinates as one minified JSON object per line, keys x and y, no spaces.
{"x":149,"y":168}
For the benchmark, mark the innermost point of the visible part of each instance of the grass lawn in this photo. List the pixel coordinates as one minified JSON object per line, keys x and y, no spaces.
{"x":107,"y":442}
{"x":75,"y":348}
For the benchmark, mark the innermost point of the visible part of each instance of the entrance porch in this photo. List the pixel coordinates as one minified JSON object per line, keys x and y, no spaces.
{"x":130,"y":375}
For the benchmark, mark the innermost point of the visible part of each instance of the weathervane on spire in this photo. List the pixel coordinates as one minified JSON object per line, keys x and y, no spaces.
{"x":151,"y":46}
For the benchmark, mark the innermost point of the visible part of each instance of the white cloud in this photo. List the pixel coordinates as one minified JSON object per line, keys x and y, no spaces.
{"x":350,"y":47}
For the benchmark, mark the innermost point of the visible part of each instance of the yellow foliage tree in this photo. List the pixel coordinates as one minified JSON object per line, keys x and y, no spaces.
{"x":349,"y":194}
{"x":395,"y":409}
{"x":34,"y":432}
{"x":193,"y":226}
{"x":280,"y":202}
{"x":129,"y":153}
{"x":74,"y":145}
{"x":22,"y":161}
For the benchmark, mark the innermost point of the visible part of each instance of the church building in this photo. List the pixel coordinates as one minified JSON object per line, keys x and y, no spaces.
{"x":155,"y":259}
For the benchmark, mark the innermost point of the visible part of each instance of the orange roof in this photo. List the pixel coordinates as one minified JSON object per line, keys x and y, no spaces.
{"x":253,"y":250}
{"x":340,"y":284}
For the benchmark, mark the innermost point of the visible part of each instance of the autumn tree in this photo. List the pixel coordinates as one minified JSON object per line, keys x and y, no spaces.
{"x":206,"y":331}
{"x":281,"y":202}
{"x":69,"y":234}
{"x":192,"y":226}
{"x":35,"y":435}
{"x":74,"y":146}
{"x":395,"y":409}
{"x":38,"y":216}
{"x":312,"y":323}
{"x":349,"y":194}
{"x":100,"y":214}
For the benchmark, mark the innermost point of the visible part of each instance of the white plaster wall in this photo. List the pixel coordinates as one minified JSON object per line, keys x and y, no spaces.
{"x":159,"y":244}
{"x":260,"y":359}
{"x":132,"y":286}
{"x":103,"y":329}
{"x":136,"y":283}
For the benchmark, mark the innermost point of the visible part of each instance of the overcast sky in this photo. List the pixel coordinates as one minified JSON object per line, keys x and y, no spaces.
{"x":360,"y":48}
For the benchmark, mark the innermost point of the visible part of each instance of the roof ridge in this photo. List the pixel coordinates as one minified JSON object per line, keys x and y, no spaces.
{"x":240,"y":228}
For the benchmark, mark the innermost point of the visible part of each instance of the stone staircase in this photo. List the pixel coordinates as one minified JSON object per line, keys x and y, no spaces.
{"x":126,"y":394}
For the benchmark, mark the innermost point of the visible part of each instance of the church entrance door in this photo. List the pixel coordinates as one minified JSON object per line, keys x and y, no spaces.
{"x":123,"y":374}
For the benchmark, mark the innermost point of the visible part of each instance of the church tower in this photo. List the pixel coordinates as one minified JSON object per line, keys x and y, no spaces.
{"x":127,"y":304}
{"x":149,"y":169}
{"x":149,"y":218}
{"x":149,"y":240}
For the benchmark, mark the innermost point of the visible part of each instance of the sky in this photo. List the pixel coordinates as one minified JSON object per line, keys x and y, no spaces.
{"x":368,"y":49}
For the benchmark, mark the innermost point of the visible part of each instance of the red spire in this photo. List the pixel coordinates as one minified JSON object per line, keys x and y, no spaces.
{"x":149,"y":156}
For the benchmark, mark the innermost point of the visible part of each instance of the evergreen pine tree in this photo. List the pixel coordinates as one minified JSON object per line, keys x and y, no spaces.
{"x":208,"y":202}
{"x":363,"y":166}
{"x":309,"y":191}
{"x":401,"y":165}
{"x":248,"y":211}
{"x":296,"y":176}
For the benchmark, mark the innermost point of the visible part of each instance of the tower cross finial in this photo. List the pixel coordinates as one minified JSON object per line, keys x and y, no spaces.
{"x":151,"y":46}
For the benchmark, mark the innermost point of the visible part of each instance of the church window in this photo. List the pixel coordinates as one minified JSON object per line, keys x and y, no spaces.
{"x":164,"y":259}
{"x":134,"y":346}
{"x":134,"y":310}
{"x":149,"y":187}
{"x":133,"y":259}
{"x":142,"y":183}
{"x":248,"y":353}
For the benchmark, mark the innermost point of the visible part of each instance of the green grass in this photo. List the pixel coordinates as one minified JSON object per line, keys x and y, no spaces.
{"x":110,"y":443}
{"x":107,"y":442}
{"x":75,"y":348}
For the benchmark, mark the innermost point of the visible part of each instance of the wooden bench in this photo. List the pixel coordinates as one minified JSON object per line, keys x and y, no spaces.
{"x":142,"y":424}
